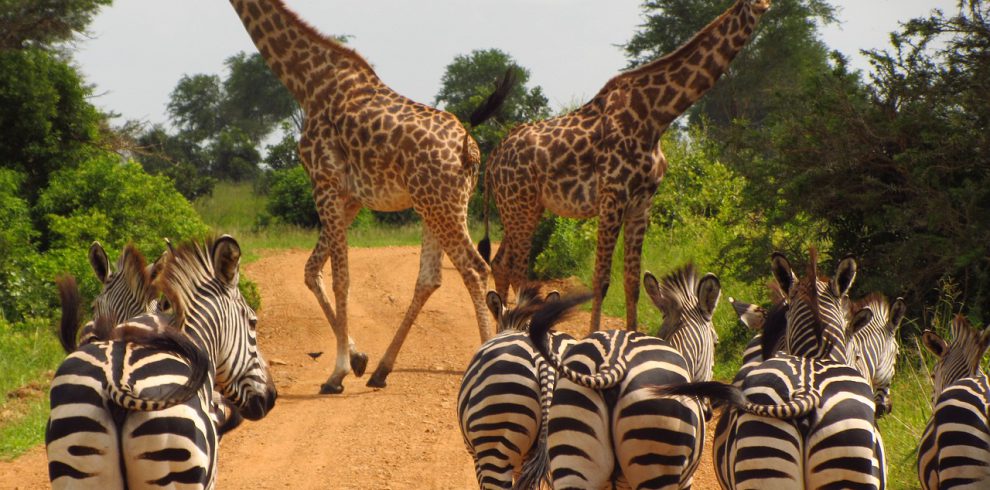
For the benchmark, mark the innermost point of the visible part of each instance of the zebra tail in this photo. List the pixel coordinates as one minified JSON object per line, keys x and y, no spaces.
{"x":164,"y":340}
{"x":799,"y":405}
{"x":70,"y":299}
{"x":535,"y":472}
{"x":539,"y":329}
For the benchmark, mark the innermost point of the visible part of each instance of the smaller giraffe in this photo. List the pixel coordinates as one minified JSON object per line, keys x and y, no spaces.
{"x":364,"y":145}
{"x":604,"y":159}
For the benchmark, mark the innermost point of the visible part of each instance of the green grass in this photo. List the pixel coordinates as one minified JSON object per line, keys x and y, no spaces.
{"x":902,"y":429}
{"x":28,"y":352}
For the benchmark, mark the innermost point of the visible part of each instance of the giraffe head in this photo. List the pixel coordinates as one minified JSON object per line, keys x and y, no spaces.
{"x":958,"y":359}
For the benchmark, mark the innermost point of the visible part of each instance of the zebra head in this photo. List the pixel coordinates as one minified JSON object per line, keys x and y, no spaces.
{"x":199,"y":282}
{"x":876,"y":346}
{"x":517,"y":319}
{"x":819,"y":323}
{"x":127,"y":290}
{"x":687,"y":305}
{"x":959,"y":359}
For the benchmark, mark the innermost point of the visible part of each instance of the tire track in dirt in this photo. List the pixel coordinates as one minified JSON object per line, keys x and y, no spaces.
{"x":402,"y":437}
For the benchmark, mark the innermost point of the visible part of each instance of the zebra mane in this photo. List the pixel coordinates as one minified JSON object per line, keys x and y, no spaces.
{"x":187,"y":267}
{"x":774,"y":328}
{"x":517,"y":318}
{"x":132,"y":261}
{"x":679,"y":290}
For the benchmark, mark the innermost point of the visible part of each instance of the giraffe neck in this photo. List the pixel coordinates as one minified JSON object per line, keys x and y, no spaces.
{"x":665,"y":88}
{"x":300,"y":56}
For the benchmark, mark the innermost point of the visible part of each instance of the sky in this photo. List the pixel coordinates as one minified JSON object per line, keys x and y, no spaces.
{"x":136,"y":50}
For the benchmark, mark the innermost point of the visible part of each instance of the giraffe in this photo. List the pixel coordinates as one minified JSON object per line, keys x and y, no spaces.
{"x":364,"y":145}
{"x":604,"y":159}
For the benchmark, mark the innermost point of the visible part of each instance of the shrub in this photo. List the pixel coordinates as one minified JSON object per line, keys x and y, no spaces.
{"x":17,"y":251}
{"x":249,"y":289}
{"x":115,"y":202}
{"x":290,"y":198}
{"x":570,"y":246}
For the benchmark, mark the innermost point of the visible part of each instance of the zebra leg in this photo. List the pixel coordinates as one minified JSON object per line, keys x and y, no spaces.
{"x":767,"y":454}
{"x":81,"y":437}
{"x":579,"y":438}
{"x":427,"y":282}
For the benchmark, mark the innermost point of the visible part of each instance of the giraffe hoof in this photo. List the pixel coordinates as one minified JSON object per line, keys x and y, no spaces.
{"x":331,"y":388}
{"x":359,"y":363}
{"x":378,"y":379}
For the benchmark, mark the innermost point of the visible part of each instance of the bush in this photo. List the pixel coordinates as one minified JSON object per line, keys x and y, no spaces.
{"x":17,"y":251}
{"x":290,"y":198}
{"x":115,"y":202}
{"x":249,"y":289}
{"x":570,"y":246}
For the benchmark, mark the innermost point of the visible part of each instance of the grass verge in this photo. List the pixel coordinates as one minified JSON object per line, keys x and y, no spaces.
{"x":28,"y":353}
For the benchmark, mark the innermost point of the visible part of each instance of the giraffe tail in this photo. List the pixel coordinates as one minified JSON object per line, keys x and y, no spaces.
{"x":491,"y":105}
{"x":485,"y":245}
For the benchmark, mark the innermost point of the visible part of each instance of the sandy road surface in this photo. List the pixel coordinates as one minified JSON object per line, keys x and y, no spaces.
{"x":402,"y":437}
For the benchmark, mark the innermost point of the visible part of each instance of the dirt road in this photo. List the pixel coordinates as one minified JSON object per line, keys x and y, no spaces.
{"x":402,"y":437}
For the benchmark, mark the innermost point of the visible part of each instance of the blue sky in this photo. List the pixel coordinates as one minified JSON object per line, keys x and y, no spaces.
{"x":138,"y":49}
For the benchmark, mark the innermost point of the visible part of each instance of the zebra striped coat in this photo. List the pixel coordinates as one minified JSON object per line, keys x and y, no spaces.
{"x":505,"y":397}
{"x":604,"y":425}
{"x":805,"y":418}
{"x":178,"y":444}
{"x":955,"y":447}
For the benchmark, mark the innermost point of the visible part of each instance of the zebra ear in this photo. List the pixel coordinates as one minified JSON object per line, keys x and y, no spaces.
{"x":552,"y":296}
{"x":897,"y":312}
{"x":782,"y":272}
{"x":226,"y":260}
{"x":99,"y":261}
{"x":709,"y":291}
{"x":752,"y":316}
{"x":934,"y":343}
{"x":495,"y":305}
{"x":862,"y":318}
{"x":652,"y":287}
{"x":845,"y":274}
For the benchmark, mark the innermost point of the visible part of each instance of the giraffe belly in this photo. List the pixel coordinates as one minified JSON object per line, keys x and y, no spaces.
{"x":570,"y":199}
{"x":380,"y":195}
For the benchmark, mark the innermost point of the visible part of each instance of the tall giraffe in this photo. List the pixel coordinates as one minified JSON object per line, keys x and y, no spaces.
{"x":365,"y":145}
{"x":604,"y":159}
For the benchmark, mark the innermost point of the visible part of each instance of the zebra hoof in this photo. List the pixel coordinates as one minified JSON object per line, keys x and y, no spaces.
{"x":330,"y":388}
{"x":359,"y":363}
{"x":378,"y":379}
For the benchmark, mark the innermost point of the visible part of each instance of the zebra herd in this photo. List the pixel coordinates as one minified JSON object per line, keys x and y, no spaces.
{"x":622,"y":409}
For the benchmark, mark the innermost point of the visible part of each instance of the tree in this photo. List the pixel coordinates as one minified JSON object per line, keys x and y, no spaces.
{"x":45,"y":119}
{"x":194,"y":106}
{"x":284,"y":154}
{"x":470,"y":79}
{"x":43,"y":23}
{"x":255,"y":100}
{"x":898,"y":167}
{"x":784,"y":51}
{"x":176,"y":157}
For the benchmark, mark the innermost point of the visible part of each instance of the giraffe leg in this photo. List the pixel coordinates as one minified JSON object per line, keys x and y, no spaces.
{"x":635,"y":231}
{"x":332,"y":244}
{"x":456,"y":242}
{"x":511,"y":263}
{"x":428,"y":281}
{"x":609,"y":224}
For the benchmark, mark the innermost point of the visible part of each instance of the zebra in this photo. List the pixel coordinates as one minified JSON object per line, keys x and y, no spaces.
{"x":604,"y":423}
{"x":955,"y":446}
{"x":804,"y":418}
{"x":95,"y":439}
{"x":876,"y":346}
{"x":127,"y":291}
{"x":505,"y":396}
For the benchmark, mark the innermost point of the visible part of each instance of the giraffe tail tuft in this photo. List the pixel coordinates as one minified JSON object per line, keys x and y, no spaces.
{"x":491,"y":105}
